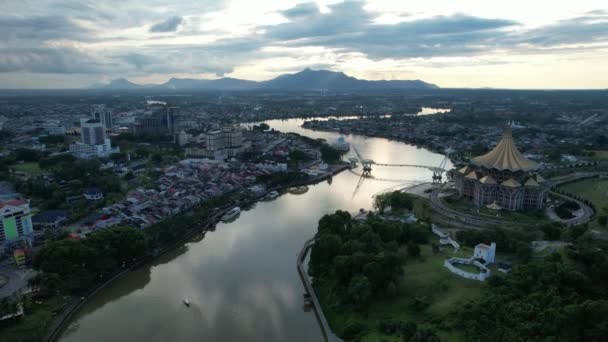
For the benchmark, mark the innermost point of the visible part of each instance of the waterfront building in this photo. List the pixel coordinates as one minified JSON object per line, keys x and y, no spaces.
{"x":502,"y":176}
{"x":15,"y":222}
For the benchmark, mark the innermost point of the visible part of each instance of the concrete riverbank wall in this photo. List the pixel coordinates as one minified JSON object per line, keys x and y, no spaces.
{"x":325,"y":329}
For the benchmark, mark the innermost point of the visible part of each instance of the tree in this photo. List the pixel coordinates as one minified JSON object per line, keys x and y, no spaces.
{"x":72,"y":261}
{"x":551,"y":231}
{"x":157,"y":158}
{"x":422,"y":210}
{"x":53,"y":139}
{"x":330,"y":154}
{"x":298,"y":155}
{"x":523,"y":251}
{"x":118,"y":157}
{"x":343,"y":268}
{"x":26,"y":155}
{"x":381,"y":202}
{"x":602,"y":220}
{"x":323,"y":252}
{"x":359,"y":290}
{"x":435,"y":248}
{"x":413,"y":249}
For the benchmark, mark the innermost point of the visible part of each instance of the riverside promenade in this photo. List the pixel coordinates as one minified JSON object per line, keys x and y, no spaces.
{"x":325,"y":329}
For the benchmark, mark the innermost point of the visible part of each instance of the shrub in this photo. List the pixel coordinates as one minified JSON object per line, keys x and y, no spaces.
{"x":354,"y":330}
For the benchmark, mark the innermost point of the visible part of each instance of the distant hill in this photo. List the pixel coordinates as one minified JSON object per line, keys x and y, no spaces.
{"x":324,"y":79}
{"x":219,"y":84}
{"x":306,"y":79}
{"x":120,"y":83}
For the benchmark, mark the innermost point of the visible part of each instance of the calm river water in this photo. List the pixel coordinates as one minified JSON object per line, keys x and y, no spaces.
{"x":241,"y":279}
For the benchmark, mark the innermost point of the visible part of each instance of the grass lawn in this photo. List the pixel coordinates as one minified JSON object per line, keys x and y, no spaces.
{"x":467,"y":268}
{"x":601,"y":155}
{"x":31,"y":169}
{"x":593,"y":189}
{"x":425,"y":279}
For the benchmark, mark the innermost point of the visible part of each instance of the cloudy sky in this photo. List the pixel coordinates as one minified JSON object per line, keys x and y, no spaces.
{"x":452,"y":43}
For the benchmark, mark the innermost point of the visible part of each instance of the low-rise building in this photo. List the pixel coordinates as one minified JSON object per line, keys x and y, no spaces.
{"x":50,"y":219}
{"x":93,"y":194}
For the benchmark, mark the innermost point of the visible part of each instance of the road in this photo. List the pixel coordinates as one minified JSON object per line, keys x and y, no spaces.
{"x":587,"y":212}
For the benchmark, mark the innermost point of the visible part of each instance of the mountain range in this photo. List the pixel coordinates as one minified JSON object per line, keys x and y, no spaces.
{"x":306,"y":79}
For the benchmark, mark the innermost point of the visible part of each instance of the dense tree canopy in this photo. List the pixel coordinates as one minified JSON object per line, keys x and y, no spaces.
{"x":361,"y":257}
{"x":395,"y":200}
{"x":71,"y":266}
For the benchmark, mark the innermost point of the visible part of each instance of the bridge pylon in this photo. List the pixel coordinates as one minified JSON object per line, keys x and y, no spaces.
{"x":367,"y":167}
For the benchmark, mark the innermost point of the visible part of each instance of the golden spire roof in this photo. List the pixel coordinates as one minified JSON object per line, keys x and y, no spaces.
{"x":511,"y":183}
{"x":494,"y":206}
{"x":465,"y":170}
{"x":505,"y":156}
{"x":487,"y":180}
{"x":471,"y":175}
{"x":531,"y":182}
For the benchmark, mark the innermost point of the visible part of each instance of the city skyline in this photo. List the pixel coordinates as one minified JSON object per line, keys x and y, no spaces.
{"x":517,"y":45}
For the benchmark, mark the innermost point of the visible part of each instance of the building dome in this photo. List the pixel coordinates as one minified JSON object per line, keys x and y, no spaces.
{"x":505,"y":156}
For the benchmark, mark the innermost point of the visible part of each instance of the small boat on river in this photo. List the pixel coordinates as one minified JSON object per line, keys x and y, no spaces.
{"x":186,"y":302}
{"x":298,"y":190}
{"x":231,"y":214}
{"x":271,"y":195}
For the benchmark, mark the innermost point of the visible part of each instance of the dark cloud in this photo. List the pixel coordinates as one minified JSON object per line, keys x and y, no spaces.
{"x":581,"y":30}
{"x":348,"y":27}
{"x":301,"y":10}
{"x":41,"y":28}
{"x":52,"y":61}
{"x":308,"y":22}
{"x":169,"y":25}
{"x":597,"y":12}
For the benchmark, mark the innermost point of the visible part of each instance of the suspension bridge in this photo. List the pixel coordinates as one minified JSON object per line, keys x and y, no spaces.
{"x":438,"y":171}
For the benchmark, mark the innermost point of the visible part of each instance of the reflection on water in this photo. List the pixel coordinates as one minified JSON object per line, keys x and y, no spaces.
{"x":241,"y":279}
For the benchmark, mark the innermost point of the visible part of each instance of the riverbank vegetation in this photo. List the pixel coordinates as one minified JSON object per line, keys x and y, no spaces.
{"x":394,"y":201}
{"x":384,"y":281}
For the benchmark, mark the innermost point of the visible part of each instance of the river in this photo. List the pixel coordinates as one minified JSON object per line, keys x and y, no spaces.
{"x":241,"y":279}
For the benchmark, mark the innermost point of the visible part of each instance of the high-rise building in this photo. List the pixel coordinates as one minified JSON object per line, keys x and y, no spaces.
{"x":160,"y":121}
{"x":170,"y":119}
{"x":15,"y":221}
{"x":104,"y":115}
{"x":223,"y":143}
{"x":93,"y":141}
{"x":92,"y":132}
